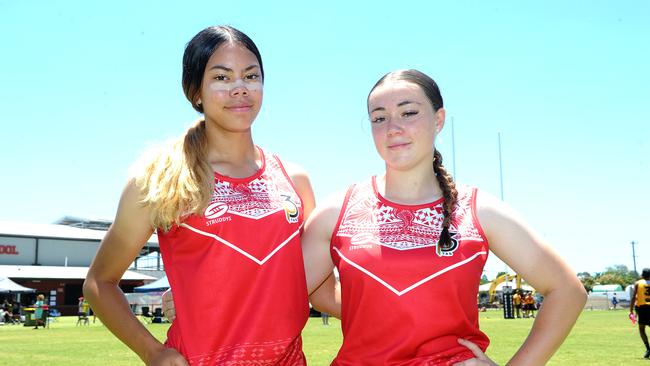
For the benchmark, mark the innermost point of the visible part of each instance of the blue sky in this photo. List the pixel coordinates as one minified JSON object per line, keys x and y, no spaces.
{"x":85,"y":88}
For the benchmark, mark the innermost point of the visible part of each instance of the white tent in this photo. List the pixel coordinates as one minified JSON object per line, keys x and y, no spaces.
{"x":607,"y":288}
{"x":160,"y":284}
{"x":486,"y":287}
{"x":7,"y":285}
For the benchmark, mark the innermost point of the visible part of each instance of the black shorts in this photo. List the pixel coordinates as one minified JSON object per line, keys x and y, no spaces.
{"x":643,"y":314}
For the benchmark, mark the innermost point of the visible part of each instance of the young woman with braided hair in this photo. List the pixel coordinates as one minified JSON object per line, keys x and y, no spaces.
{"x":410,"y":248}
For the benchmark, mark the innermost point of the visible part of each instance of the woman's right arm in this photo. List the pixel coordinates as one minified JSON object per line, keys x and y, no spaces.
{"x":122,"y":243}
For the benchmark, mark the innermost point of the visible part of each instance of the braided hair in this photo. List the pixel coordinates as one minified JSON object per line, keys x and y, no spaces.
{"x":445,"y":180}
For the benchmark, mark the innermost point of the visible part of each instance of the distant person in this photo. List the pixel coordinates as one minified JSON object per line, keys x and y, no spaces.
{"x":516,"y":300}
{"x":529,"y":305}
{"x":38,"y":311}
{"x":614,"y":302}
{"x":6,"y":316}
{"x":325,"y":317}
{"x":640,"y":302}
{"x":82,"y":311}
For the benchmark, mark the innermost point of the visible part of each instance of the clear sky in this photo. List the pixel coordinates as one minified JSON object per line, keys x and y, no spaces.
{"x":85,"y":87}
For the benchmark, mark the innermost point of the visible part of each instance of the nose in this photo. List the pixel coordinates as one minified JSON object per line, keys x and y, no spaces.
{"x":393,"y":128}
{"x":239,"y":91}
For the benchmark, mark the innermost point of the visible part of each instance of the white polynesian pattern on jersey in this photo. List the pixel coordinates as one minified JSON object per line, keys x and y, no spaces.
{"x":257,"y":198}
{"x":402,"y":229}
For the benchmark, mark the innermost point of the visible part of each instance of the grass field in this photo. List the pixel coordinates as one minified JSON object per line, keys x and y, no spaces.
{"x":599,"y":338}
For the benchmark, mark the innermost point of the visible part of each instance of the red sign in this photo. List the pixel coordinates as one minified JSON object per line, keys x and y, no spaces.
{"x":8,"y":249}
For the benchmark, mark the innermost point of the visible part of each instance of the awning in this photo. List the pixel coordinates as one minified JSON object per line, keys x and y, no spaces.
{"x":60,"y":272}
{"x":7,"y":285}
{"x":158,"y":285}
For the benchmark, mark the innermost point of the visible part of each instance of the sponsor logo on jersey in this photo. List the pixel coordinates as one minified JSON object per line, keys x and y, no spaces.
{"x":362,"y":241}
{"x":215,"y":210}
{"x":291,"y":211}
{"x":448,"y":250}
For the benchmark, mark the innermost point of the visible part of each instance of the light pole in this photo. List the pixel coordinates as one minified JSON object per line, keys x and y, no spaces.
{"x":634,"y":256}
{"x":500,"y":166}
{"x":453,"y":146}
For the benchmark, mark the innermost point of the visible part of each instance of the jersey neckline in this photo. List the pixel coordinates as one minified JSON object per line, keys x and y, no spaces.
{"x":256,"y":175}
{"x":401,"y":205}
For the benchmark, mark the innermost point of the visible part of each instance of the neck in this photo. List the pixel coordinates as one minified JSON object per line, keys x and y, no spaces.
{"x":411,"y":187}
{"x":232,"y":153}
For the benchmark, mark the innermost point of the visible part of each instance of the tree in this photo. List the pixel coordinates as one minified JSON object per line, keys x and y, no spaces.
{"x":617,"y":274}
{"x":612,"y":278}
{"x":587,"y":280}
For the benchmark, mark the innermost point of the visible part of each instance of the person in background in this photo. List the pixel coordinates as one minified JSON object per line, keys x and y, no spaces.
{"x":516,"y":300}
{"x":38,"y":311}
{"x":529,"y":305}
{"x":640,"y":302}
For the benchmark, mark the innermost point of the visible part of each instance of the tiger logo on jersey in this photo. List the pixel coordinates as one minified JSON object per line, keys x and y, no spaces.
{"x":291,"y":211}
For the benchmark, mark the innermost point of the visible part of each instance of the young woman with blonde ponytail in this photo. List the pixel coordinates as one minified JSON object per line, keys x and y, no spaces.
{"x":410,"y":247}
{"x":228,"y":217}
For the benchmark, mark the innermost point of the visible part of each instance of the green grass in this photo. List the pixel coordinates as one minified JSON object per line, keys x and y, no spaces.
{"x":599,"y":338}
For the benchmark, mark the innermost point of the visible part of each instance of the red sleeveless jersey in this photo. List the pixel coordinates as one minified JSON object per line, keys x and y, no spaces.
{"x":237,"y":273}
{"x":404,"y":300}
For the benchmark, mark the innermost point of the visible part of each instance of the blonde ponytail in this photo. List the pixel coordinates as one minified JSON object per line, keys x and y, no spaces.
{"x":177,"y":180}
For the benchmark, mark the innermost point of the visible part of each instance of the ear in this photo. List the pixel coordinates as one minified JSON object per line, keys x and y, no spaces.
{"x":440,"y":119}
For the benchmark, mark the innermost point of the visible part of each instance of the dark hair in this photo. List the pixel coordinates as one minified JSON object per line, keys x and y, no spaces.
{"x":198,"y":52}
{"x":445,"y":180}
{"x":646,"y":273}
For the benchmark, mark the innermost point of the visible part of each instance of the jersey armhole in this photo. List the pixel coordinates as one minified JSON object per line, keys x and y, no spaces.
{"x":341,"y":214}
{"x":288,"y":178}
{"x":477,"y":223}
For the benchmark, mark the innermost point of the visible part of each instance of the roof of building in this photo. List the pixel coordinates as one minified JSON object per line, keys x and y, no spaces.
{"x":55,"y":272}
{"x":606,"y":288}
{"x":85,"y":222}
{"x":24,"y":229}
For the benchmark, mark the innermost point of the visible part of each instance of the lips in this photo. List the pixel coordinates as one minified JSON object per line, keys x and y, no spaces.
{"x":239,"y":107}
{"x":398,"y":145}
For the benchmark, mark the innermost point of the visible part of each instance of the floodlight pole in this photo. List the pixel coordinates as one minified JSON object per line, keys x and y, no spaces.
{"x":634,"y":256}
{"x":453,"y":146}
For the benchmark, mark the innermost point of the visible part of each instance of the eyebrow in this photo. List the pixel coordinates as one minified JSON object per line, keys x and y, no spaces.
{"x":405,"y":102}
{"x":400,"y":104}
{"x":221,"y":67}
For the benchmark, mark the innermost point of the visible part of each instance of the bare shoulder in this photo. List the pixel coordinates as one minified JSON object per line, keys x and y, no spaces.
{"x":133,"y":217}
{"x":495,"y":215}
{"x":299,"y":177}
{"x":294,"y":170}
{"x":326,"y":214}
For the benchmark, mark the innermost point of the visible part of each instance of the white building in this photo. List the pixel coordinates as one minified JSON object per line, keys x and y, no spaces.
{"x":54,"y":259}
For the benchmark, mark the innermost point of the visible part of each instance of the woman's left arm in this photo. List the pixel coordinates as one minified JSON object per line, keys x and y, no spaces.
{"x":327,"y":296}
{"x":512,"y":240}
